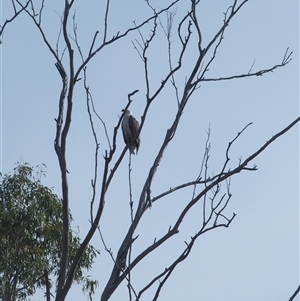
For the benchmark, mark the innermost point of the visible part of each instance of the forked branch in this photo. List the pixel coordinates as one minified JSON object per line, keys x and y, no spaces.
{"x":14,"y":16}
{"x":217,"y":180}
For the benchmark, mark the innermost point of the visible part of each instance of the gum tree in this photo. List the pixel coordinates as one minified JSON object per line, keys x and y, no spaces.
{"x":30,"y":239}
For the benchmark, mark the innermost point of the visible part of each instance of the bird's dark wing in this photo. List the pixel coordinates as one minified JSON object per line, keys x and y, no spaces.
{"x":133,"y":125}
{"x":124,"y":136}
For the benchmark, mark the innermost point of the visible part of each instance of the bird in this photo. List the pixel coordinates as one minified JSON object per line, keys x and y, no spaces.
{"x":130,"y":127}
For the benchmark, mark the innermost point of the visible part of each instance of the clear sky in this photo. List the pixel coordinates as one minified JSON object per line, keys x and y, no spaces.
{"x":257,"y":257}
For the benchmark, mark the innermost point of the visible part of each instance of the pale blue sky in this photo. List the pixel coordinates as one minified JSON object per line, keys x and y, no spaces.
{"x":257,"y":257}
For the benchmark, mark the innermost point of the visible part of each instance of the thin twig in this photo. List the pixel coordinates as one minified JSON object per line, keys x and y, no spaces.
{"x":16,"y":13}
{"x":105,"y":22}
{"x":129,"y":285}
{"x":94,"y":180}
{"x":175,"y":229}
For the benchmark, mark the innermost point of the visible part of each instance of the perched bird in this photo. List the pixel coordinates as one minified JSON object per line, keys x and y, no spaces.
{"x":130,"y":127}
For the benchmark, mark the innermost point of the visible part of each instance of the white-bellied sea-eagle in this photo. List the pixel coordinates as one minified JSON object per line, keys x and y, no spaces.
{"x":130,"y":127}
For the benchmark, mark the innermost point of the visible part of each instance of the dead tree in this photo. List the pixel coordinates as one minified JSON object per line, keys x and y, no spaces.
{"x":72,"y":64}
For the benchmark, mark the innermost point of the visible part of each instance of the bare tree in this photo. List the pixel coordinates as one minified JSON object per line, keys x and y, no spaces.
{"x":72,"y":65}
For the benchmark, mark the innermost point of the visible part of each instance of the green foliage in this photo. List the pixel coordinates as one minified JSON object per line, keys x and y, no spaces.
{"x":31,"y":236}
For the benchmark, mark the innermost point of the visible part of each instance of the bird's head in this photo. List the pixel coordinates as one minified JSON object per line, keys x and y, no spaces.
{"x":127,"y":112}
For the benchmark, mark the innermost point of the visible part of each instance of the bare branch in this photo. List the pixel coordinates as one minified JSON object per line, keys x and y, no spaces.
{"x":174,"y":70}
{"x":97,"y":144}
{"x":171,"y":190}
{"x":93,"y":43}
{"x":168,"y":271}
{"x":229,"y":146}
{"x":217,"y":180}
{"x":119,"y":36}
{"x":16,"y":13}
{"x":195,"y":21}
{"x":40,"y":13}
{"x":116,"y":278}
{"x":105,"y":22}
{"x":62,"y":159}
{"x":129,"y":284}
{"x":109,"y":251}
{"x":33,"y":17}
{"x":145,"y":46}
{"x":220,"y":39}
{"x":205,"y":156}
{"x":167,"y":31}
{"x":226,"y":23}
{"x":251,"y":67}
{"x":295,"y":294}
{"x":75,"y":39}
{"x":58,"y":37}
{"x":285,"y":61}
